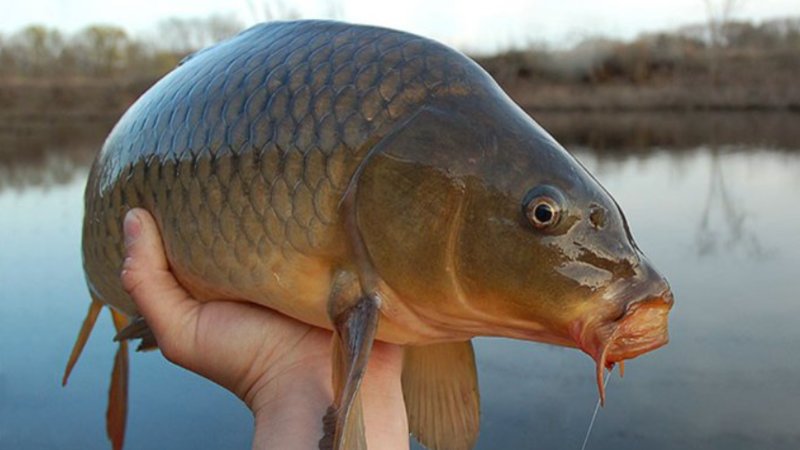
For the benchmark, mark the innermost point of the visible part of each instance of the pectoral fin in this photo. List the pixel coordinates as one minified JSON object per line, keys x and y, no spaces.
{"x":352,"y":435}
{"x":117,"y":412}
{"x":355,"y":324}
{"x":440,"y":388}
{"x":138,"y":329}
{"x":83,"y":336}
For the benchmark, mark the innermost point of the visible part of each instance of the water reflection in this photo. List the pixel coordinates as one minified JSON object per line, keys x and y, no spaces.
{"x":623,"y":134}
{"x":53,"y":168}
{"x":732,"y":230}
{"x":46,"y":154}
{"x":730,"y":377}
{"x":51,"y":153}
{"x":718,"y":218}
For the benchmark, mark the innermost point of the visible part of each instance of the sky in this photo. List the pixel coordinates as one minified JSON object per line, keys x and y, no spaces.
{"x":467,"y":24}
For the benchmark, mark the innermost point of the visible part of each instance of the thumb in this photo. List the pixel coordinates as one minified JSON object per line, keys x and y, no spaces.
{"x":146,"y":277}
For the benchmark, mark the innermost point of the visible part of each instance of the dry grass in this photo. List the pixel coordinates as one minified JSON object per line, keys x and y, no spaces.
{"x":43,"y":75}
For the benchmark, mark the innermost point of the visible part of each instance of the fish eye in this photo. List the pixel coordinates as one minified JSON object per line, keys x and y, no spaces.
{"x":542,"y":212}
{"x":543,"y":206}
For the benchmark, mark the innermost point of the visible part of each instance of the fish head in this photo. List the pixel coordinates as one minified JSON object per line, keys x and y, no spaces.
{"x":491,"y":226}
{"x":544,"y":243}
{"x":614,"y":303}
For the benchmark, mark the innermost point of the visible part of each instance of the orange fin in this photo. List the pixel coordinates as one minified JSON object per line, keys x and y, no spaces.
{"x":117,"y":412}
{"x":440,"y":388}
{"x":355,"y":323}
{"x":138,"y":329}
{"x":83,"y":336}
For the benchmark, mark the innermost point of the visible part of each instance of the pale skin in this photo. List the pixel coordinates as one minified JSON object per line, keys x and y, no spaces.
{"x":279,"y":367}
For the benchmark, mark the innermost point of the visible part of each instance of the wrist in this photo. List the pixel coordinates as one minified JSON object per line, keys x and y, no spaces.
{"x":289,"y":402}
{"x":288,"y":409}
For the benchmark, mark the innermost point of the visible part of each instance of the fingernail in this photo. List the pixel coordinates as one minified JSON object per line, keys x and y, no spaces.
{"x":132,"y":227}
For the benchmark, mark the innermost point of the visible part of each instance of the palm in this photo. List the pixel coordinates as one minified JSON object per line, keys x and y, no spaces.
{"x":269,"y":360}
{"x":241,"y":346}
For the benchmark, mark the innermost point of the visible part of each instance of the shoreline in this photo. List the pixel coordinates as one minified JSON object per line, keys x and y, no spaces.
{"x":23,"y":101}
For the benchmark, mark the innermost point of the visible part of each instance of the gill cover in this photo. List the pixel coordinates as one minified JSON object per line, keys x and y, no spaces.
{"x":410,"y":205}
{"x":439,"y":209}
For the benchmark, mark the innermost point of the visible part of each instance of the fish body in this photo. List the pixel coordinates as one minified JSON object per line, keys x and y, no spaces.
{"x":299,"y":160}
{"x":244,"y":152}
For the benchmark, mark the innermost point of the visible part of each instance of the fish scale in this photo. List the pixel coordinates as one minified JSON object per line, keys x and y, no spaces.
{"x":380,"y":185}
{"x":244,"y":151}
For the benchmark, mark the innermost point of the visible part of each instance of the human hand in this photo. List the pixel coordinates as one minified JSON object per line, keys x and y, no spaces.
{"x":280,"y":367}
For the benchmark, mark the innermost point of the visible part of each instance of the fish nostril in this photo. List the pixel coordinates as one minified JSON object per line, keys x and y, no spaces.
{"x":597,"y":217}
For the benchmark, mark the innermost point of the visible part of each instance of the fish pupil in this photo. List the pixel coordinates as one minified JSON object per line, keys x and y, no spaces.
{"x":543,"y":213}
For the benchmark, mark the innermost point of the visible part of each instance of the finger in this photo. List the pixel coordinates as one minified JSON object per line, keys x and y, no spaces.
{"x":142,"y":239}
{"x":165,"y":305}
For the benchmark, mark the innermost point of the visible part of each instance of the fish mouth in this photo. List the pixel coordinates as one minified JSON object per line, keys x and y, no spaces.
{"x":642,"y":328}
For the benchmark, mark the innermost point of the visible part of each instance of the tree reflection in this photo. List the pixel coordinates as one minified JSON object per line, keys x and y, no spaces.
{"x":45,"y":154}
{"x":53,"y":169}
{"x":735,"y":230}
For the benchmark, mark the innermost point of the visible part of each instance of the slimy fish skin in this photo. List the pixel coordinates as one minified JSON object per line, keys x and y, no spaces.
{"x":377,"y":184}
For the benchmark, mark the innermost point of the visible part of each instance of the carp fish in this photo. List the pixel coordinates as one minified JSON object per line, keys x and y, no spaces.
{"x":377,"y":184}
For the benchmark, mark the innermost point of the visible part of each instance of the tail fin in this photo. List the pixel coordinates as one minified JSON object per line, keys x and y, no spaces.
{"x":117,"y":412}
{"x":83,"y":336}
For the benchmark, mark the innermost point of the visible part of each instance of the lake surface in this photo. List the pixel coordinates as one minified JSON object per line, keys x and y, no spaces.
{"x":717,"y":213}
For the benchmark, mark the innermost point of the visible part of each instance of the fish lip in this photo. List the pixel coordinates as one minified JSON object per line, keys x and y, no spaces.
{"x":641,"y":328}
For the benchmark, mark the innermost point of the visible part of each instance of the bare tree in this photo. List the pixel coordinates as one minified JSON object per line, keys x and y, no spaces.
{"x":219,"y":27}
{"x":280,"y":10}
{"x":719,"y":14}
{"x":333,"y":9}
{"x":187,"y":35}
{"x":6,"y":63}
{"x":35,"y":49}
{"x":101,"y":49}
{"x":735,"y":230}
{"x":269,"y":10}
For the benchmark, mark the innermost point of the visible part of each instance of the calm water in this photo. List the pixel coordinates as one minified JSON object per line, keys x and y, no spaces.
{"x":720,"y":219}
